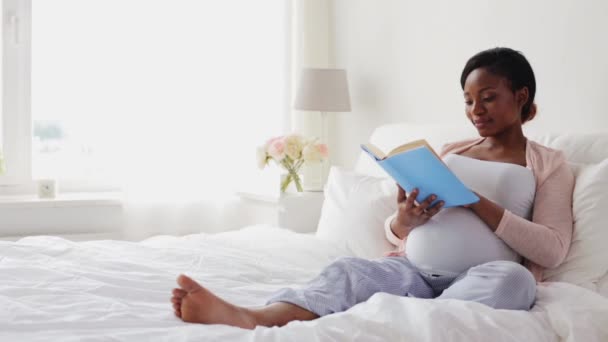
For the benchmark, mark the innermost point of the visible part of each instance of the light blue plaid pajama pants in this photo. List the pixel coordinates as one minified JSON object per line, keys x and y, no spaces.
{"x":349,"y":280}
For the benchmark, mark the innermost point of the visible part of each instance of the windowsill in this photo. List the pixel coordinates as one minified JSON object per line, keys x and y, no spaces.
{"x":77,"y":199}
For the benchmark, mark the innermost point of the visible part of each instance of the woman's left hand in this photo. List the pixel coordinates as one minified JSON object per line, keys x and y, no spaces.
{"x":481,"y":198}
{"x":488,"y":211}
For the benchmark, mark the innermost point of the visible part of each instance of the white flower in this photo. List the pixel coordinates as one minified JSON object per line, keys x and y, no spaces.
{"x":293,"y":146}
{"x":261,"y":156}
{"x":276,"y":149}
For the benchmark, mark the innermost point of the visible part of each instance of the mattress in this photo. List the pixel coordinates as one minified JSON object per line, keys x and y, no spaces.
{"x":52,"y":289}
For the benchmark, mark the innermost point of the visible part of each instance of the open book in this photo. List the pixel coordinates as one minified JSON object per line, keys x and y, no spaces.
{"x":417,"y":165}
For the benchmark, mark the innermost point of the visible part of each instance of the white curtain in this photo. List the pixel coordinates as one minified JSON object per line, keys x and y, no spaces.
{"x":311,"y":46}
{"x":172,"y":96}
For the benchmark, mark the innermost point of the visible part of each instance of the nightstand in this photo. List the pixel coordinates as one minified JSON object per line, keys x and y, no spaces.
{"x":299,"y":212}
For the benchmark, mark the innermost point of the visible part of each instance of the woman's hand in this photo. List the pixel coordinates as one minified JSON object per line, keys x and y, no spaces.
{"x":470,"y":206}
{"x":410,"y":215}
{"x":488,"y":211}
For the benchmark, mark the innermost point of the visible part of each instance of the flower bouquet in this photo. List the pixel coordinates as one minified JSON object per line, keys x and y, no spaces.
{"x":290,"y":152}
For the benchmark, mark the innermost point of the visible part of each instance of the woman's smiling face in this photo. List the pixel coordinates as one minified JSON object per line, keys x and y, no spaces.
{"x":490,"y":104}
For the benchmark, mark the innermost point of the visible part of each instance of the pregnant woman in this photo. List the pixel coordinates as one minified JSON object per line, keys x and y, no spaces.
{"x":492,"y":252}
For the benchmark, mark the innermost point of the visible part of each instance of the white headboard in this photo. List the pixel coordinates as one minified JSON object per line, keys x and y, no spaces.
{"x":578,"y":147}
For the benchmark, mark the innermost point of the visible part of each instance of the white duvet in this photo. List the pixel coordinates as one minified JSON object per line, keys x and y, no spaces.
{"x":52,"y":289}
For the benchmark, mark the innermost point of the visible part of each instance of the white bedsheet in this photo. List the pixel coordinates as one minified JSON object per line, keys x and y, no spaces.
{"x":52,"y":289}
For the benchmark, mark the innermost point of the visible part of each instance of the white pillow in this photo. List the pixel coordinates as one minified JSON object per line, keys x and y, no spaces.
{"x":354,"y":212}
{"x":587,"y":260}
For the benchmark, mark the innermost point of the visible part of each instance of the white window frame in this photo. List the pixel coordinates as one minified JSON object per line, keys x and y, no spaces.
{"x":16,"y":113}
{"x":16,"y":105}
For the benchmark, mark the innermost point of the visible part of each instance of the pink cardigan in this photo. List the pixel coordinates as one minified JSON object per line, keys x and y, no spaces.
{"x":544,"y":241}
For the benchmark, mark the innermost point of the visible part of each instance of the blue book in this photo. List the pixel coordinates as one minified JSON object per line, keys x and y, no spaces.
{"x":417,"y":165}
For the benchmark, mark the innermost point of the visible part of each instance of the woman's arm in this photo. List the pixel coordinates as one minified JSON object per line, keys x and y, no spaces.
{"x":488,"y":211}
{"x":545,"y":240}
{"x":390,"y":235}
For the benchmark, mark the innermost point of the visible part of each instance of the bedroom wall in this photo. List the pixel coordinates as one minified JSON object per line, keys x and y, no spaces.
{"x":404,"y":60}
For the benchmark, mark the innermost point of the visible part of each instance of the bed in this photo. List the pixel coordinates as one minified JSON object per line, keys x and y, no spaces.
{"x":52,"y":289}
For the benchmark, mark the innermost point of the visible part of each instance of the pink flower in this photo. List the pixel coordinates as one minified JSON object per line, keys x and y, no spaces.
{"x":276,"y":148}
{"x":273,"y":139}
{"x":314,"y":152}
{"x":323,"y":150}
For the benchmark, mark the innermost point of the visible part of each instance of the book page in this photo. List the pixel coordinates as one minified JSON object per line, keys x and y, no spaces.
{"x":412,"y":145}
{"x":373,"y":149}
{"x":409,"y":146}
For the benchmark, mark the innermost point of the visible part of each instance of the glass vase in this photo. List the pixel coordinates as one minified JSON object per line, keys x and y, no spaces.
{"x":288,"y":177}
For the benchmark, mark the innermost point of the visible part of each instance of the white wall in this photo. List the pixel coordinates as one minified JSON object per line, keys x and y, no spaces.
{"x":404,"y":60}
{"x":92,"y":219}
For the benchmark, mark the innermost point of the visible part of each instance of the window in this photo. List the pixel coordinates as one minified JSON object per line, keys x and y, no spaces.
{"x":114,"y":81}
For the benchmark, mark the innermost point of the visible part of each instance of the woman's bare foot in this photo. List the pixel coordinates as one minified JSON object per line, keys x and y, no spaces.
{"x":195,"y":304}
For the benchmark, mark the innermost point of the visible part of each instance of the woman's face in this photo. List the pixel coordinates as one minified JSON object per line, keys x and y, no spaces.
{"x":490,"y":104}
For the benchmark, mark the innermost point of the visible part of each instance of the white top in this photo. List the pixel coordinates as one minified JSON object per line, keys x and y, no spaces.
{"x":456,"y":239}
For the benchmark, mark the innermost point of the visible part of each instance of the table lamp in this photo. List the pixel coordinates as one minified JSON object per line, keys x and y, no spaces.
{"x":322,"y":90}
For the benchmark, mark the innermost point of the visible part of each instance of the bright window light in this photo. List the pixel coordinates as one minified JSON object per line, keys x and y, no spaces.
{"x":155,"y":89}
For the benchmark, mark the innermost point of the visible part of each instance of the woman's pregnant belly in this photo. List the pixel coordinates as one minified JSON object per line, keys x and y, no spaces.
{"x":453,"y":241}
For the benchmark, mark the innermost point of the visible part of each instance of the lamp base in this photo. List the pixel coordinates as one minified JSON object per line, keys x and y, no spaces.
{"x":313,"y":177}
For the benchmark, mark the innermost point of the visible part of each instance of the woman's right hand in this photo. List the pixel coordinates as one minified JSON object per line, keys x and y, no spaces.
{"x":411,"y":215}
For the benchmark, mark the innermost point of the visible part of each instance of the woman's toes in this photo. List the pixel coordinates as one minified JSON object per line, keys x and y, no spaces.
{"x":179,"y":293}
{"x":187,"y":284}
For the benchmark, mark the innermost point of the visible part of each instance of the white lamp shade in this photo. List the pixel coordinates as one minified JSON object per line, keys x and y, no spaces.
{"x":323,"y":90}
